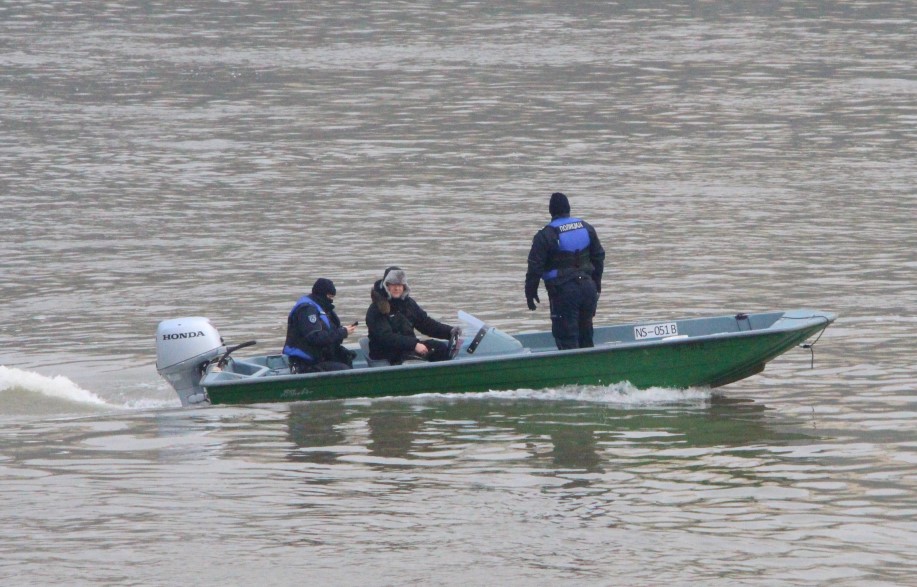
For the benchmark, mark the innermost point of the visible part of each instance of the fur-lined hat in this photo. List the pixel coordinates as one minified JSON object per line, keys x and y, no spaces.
{"x":396,"y":276}
{"x":379,"y":293}
{"x":380,"y":297}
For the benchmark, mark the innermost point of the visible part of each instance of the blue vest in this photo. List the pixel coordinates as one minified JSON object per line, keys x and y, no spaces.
{"x":572,"y":254}
{"x":294,"y":350}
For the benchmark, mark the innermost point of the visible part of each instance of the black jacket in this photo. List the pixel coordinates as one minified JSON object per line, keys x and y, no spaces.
{"x":391,"y":324}
{"x":544,"y":246}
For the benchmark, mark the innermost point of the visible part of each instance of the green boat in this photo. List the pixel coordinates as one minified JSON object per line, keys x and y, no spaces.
{"x":681,"y":353}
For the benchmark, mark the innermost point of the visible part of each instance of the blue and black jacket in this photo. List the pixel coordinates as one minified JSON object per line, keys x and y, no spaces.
{"x":314,"y":332}
{"x":564,"y":249}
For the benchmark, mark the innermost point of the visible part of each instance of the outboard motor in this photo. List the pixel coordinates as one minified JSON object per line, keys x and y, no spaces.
{"x":184,"y":347}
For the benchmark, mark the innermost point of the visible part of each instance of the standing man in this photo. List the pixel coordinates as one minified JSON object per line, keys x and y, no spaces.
{"x":568,"y":256}
{"x":315,"y":334}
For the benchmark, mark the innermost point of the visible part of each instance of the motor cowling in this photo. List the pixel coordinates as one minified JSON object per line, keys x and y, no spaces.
{"x":184,"y":346}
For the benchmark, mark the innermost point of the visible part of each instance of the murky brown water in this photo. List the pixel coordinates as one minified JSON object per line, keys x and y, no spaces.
{"x":160,"y":160}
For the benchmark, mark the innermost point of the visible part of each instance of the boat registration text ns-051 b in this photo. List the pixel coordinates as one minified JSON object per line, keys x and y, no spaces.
{"x":645,"y":331}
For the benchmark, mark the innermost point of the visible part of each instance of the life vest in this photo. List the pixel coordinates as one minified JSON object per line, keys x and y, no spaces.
{"x":572,"y":255}
{"x":295,"y":343}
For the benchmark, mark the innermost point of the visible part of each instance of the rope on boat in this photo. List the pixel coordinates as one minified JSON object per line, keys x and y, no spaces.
{"x":811,"y":345}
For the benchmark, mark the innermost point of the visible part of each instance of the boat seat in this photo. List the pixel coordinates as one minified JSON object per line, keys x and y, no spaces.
{"x":364,"y":346}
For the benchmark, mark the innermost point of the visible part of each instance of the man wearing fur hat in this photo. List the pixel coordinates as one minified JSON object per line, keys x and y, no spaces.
{"x":392,"y":318}
{"x":568,"y":256}
{"x":315,"y":334}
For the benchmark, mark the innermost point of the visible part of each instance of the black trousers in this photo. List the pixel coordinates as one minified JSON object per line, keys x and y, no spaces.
{"x":573,"y":305}
{"x":439,"y":351}
{"x":298,"y":365}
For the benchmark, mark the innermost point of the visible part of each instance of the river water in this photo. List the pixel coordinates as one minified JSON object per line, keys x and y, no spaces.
{"x":167,"y":159}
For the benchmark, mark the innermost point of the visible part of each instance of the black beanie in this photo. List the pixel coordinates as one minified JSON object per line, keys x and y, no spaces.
{"x":323,"y":287}
{"x":559,"y":206}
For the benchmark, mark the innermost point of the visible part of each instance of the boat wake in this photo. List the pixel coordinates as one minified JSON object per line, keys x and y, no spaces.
{"x":26,"y":392}
{"x":624,"y":394}
{"x":619,"y":394}
{"x":29,"y":393}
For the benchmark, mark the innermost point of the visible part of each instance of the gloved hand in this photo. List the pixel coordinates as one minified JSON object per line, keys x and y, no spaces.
{"x":530,"y":300}
{"x":455,"y":332}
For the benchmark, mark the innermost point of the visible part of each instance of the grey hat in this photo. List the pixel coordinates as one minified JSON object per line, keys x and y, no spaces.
{"x":396,"y":276}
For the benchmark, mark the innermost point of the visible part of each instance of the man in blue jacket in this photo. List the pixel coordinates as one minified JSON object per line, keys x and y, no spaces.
{"x":568,"y":256}
{"x":315,"y":334}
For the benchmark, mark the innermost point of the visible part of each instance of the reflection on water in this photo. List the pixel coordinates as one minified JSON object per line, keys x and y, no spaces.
{"x":341,"y":480}
{"x":553,"y":436}
{"x":316,"y":428}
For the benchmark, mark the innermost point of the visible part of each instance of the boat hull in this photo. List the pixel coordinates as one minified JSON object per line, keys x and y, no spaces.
{"x":703,"y":361}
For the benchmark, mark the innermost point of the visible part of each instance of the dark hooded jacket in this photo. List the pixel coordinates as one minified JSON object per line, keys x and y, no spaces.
{"x":391,"y":324}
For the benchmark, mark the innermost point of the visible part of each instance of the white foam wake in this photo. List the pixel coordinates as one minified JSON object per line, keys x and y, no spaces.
{"x":623,"y":394}
{"x":620,"y":394}
{"x":57,"y":387}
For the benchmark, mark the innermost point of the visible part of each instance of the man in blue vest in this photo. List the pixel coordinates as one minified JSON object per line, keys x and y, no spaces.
{"x":315,"y":334}
{"x":568,"y":256}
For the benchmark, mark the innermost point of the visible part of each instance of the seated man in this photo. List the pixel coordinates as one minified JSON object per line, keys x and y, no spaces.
{"x":392,"y":318}
{"x":315,"y":334}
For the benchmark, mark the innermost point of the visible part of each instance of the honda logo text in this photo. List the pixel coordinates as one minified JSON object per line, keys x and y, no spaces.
{"x":179,"y":335}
